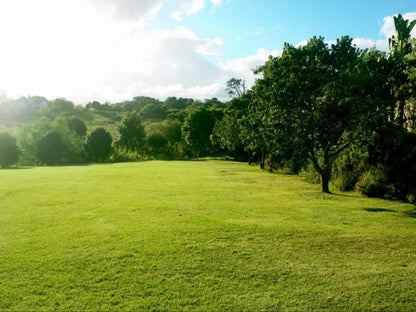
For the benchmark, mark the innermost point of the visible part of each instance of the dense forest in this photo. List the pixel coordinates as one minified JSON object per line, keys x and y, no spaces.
{"x":332,"y":113}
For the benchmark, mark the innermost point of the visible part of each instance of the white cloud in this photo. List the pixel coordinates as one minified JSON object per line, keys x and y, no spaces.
{"x":130,"y":9}
{"x":364,"y":43}
{"x":176,"y":15}
{"x":191,"y":7}
{"x":101,"y":49}
{"x":242,"y":68}
{"x":196,"y":92}
{"x":301,"y":44}
{"x":74,"y":49}
{"x":216,"y":2}
{"x":210,"y":46}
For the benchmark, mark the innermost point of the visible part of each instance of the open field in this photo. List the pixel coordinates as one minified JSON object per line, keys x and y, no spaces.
{"x":198,"y":236}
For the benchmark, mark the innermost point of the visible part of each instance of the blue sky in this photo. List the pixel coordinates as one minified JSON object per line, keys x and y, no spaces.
{"x":113,"y":50}
{"x":246,"y":25}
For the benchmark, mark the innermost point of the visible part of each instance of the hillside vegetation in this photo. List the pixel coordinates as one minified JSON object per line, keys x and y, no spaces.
{"x":340,"y":115}
{"x":198,"y":236}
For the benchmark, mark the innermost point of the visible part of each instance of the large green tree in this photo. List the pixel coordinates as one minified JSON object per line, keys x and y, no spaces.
{"x":313,"y":100}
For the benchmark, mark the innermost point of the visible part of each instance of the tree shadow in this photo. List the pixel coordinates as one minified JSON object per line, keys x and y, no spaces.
{"x":16,"y":168}
{"x":379,"y":210}
{"x":411,"y":214}
{"x":342,"y":195}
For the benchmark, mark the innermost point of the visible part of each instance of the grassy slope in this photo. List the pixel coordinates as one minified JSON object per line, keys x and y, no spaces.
{"x":198,"y":236}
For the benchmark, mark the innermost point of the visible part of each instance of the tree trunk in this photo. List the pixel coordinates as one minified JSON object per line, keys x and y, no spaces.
{"x":324,"y":172}
{"x":401,"y":115}
{"x":261,"y":160}
{"x":325,"y":181}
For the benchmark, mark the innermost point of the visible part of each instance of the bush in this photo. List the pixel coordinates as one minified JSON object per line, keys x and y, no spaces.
{"x":98,"y":145}
{"x":309,"y":173}
{"x":373,"y":183}
{"x":350,"y":165}
{"x":77,"y":125}
{"x":124,"y":155}
{"x":50,"y":149}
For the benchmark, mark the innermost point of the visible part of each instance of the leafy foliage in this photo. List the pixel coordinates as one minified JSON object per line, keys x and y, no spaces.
{"x":50,"y":149}
{"x":311,"y":99}
{"x":236,"y":87}
{"x":345,"y":113}
{"x":77,"y":125}
{"x":9,"y":152}
{"x":197,"y":130}
{"x":131,"y":133}
{"x":98,"y":145}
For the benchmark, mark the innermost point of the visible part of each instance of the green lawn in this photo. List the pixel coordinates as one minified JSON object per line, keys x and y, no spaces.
{"x":198,"y":236}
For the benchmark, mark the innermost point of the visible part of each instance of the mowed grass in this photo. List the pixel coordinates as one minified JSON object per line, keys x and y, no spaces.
{"x":198,"y":236}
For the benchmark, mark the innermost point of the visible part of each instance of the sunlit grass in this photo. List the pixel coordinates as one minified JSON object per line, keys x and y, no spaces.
{"x":199,"y":236}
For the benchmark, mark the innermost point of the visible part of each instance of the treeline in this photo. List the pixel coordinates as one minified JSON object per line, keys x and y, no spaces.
{"x":57,"y":132}
{"x":332,"y":113}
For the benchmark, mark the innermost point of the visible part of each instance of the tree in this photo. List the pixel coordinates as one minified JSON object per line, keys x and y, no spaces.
{"x":401,"y":46}
{"x":98,"y":144}
{"x":174,"y":141}
{"x":9,"y":151}
{"x":28,"y":139}
{"x":60,"y":106}
{"x":197,"y":130}
{"x":77,"y":125}
{"x":50,"y":149}
{"x":131,"y":135}
{"x":153,"y":111}
{"x":181,"y":103}
{"x":156,"y":143}
{"x":401,"y":53}
{"x":236,"y":87}
{"x":231,"y":131}
{"x":314,"y":100}
{"x":94,"y":105}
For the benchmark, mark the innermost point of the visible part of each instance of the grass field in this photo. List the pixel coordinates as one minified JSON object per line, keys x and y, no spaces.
{"x":198,"y":236}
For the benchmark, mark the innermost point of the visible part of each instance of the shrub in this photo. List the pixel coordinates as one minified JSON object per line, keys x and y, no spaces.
{"x":77,"y":125}
{"x":124,"y":155}
{"x":309,"y":173}
{"x":50,"y":149}
{"x":350,"y":165}
{"x":98,"y":145}
{"x":373,"y":183}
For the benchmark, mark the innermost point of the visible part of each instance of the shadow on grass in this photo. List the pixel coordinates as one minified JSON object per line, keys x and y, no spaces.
{"x":16,"y":168}
{"x":342,"y":195}
{"x":379,"y":210}
{"x":412,"y":214}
